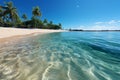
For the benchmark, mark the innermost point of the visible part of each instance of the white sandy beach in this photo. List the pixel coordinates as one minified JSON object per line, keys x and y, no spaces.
{"x":11,"y":32}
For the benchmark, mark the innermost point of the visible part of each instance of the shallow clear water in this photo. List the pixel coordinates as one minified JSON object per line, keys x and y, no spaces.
{"x":62,"y":56}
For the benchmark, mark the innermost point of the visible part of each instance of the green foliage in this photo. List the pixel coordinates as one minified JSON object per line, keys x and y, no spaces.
{"x":36,"y":23}
{"x":60,"y":24}
{"x":12,"y":12}
{"x":36,"y":12}
{"x":9,"y":14}
{"x":9,"y":17}
{"x":53,"y":26}
{"x":45,"y":21}
{"x":24,"y":16}
{"x":1,"y":20}
{"x":51,"y":22}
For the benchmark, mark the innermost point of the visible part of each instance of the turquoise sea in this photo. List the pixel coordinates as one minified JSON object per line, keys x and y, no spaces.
{"x":62,"y":56}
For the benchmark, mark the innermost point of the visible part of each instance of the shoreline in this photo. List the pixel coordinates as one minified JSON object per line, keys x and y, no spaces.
{"x":12,"y":33}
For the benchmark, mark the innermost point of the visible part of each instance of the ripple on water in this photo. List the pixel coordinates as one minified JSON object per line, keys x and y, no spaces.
{"x":57,"y":57}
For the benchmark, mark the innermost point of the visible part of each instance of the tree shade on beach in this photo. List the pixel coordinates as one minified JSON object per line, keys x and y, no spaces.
{"x":9,"y":18}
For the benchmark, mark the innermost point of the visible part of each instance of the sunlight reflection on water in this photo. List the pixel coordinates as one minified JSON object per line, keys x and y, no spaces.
{"x":61,"y":56}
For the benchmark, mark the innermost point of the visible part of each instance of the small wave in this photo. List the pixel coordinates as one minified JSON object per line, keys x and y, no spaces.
{"x":45,"y":72}
{"x":68,"y":73}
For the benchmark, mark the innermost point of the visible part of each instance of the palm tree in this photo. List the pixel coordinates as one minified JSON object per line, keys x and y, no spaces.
{"x":51,"y":22}
{"x":1,"y":20}
{"x":45,"y":21}
{"x":24,"y":16}
{"x":36,"y":12}
{"x":12,"y":12}
{"x":2,"y":13}
{"x":59,"y":24}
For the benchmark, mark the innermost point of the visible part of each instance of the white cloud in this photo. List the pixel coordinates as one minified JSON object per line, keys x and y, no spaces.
{"x":112,"y":22}
{"x":97,"y":23}
{"x":98,"y":27}
{"x":109,"y":25}
{"x":108,"y":22}
{"x":119,"y":21}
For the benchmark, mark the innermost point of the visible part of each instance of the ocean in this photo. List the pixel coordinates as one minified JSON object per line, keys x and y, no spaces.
{"x":62,"y":56}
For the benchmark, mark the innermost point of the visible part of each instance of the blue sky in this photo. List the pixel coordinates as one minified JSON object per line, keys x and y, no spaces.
{"x":83,"y":14}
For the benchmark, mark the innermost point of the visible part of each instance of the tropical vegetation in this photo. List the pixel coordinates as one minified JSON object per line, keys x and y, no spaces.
{"x":9,"y":17}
